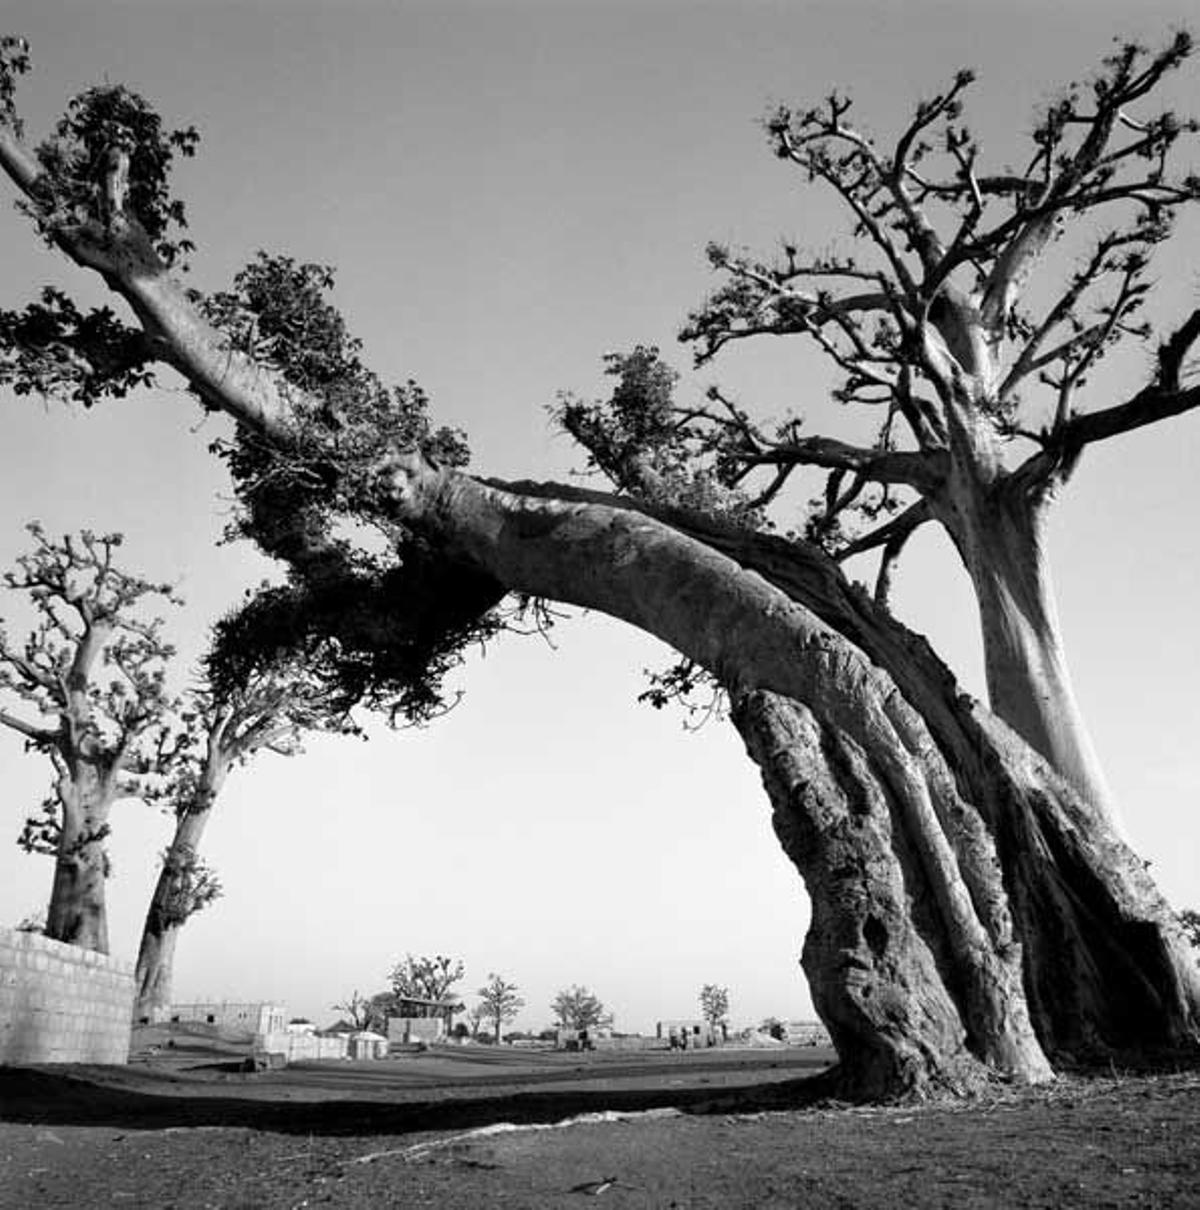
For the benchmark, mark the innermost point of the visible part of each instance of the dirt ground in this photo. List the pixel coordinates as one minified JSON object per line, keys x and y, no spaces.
{"x":483,"y":1128}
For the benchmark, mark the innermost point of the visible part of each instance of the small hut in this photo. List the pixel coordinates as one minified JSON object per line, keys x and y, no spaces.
{"x":367,"y":1045}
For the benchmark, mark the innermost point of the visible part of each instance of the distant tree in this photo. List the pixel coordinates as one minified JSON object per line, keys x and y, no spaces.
{"x":422,"y":978}
{"x":774,"y":1027}
{"x":357,"y":1010}
{"x":576,"y":1007}
{"x":93,"y":672}
{"x":225,"y":724}
{"x":381,"y":1006}
{"x":1190,"y":919}
{"x":500,"y":1002}
{"x":477,"y":1014}
{"x":714,"y":1005}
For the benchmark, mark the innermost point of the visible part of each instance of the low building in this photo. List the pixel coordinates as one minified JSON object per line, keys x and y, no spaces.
{"x":414,"y":1020}
{"x":689,"y":1033}
{"x":806,"y":1033}
{"x":367,"y":1045}
{"x":251,"y":1018}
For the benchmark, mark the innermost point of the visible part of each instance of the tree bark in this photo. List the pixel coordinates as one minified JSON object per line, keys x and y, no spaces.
{"x":78,"y":912}
{"x":167,"y":913}
{"x":1002,"y":541}
{"x":972,"y":916}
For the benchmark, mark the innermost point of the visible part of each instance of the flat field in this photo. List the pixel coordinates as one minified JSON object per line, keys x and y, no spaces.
{"x":476,"y":1127}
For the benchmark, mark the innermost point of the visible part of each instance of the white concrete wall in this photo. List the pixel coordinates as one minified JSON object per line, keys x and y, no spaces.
{"x":62,"y":1004}
{"x":297,"y":1048}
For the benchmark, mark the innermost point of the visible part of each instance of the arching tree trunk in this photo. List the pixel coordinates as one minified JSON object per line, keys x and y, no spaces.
{"x":78,"y":912}
{"x":972,"y":916}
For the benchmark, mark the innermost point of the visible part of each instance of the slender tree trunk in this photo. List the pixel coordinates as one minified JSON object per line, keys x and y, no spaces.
{"x":78,"y":912}
{"x":169,"y":910}
{"x":155,"y":968}
{"x":972,"y":916}
{"x":1029,"y":684}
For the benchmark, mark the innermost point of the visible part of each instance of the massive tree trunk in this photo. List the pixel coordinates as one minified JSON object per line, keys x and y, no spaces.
{"x":78,"y":912}
{"x":170,"y":908}
{"x":972,"y":916}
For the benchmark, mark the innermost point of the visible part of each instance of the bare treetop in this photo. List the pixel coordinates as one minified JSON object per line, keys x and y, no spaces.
{"x":88,"y":613}
{"x":932,"y":322}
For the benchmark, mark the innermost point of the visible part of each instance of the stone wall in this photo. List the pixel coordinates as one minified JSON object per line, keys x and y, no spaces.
{"x":61,"y":1004}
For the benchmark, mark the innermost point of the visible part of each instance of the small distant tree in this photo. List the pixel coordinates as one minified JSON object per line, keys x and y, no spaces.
{"x":424,"y":978}
{"x":381,"y":1006}
{"x":774,"y":1027}
{"x":500,"y":1003}
{"x":91,"y":682}
{"x":356,"y":1010}
{"x":714,"y":1005}
{"x":576,"y":1007}
{"x":476,"y":1015}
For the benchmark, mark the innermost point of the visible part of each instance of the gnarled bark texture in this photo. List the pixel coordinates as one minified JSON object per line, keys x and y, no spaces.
{"x":972,"y":915}
{"x":78,"y":913}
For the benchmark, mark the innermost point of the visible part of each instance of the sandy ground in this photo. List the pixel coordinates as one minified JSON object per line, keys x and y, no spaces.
{"x":480,"y":1128}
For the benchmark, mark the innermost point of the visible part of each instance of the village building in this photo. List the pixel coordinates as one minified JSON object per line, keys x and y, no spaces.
{"x":689,"y":1033}
{"x":413,"y":1020}
{"x":252,"y":1018}
{"x":365,"y":1044}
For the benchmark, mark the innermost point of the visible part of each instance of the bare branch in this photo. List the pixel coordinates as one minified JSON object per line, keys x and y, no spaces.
{"x":898,"y":529}
{"x":924,"y":471}
{"x":41,"y":736}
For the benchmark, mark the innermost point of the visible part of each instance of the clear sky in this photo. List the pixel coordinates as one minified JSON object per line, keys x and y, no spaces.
{"x":509,"y":190}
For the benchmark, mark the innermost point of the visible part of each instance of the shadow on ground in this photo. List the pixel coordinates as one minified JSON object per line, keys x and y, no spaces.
{"x":37,"y":1096}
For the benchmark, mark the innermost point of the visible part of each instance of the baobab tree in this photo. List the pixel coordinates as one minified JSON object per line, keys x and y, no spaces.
{"x":222,"y":726}
{"x":419,"y":977}
{"x":499,"y":1002}
{"x":93,"y":673}
{"x":714,"y":1005}
{"x":578,"y":1007}
{"x":974,"y":913}
{"x":944,"y":320}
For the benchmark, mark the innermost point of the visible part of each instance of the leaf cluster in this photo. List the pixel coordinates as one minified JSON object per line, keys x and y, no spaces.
{"x":14,"y":63}
{"x":647,"y":446}
{"x":102,"y":124}
{"x":378,"y":629}
{"x":54,"y":350}
{"x":193,"y":886}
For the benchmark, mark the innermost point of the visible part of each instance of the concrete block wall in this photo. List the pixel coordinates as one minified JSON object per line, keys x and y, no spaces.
{"x":62,"y":1004}
{"x":298,"y":1048}
{"x":406,"y":1030}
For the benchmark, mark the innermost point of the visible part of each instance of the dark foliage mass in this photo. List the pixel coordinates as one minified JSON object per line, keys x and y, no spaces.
{"x":382,"y":627}
{"x":100,"y":123}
